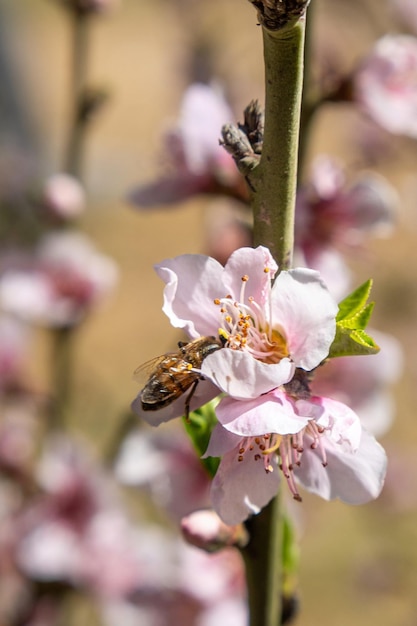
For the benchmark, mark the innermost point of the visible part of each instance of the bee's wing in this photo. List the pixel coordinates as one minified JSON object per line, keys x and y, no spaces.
{"x":144,"y":371}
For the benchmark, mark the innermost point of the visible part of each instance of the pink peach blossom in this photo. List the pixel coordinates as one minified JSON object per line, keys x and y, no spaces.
{"x":318,"y":443}
{"x":269,"y":328}
{"x":386,"y":84}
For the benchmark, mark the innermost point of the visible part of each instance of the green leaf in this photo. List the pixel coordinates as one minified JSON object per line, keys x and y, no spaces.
{"x":348,"y":342}
{"x":199,"y":427}
{"x":290,"y":548}
{"x":351,"y":322}
{"x":355,"y":301}
{"x":358,"y":320}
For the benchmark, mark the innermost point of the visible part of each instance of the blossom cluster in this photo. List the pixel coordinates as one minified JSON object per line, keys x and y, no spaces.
{"x":277,"y":328}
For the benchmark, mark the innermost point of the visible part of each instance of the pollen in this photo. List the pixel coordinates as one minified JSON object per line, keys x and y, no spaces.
{"x":248,"y":324}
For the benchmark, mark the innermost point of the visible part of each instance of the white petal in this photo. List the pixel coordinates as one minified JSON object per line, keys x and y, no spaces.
{"x":305,"y":310}
{"x":355,"y":478}
{"x":249,"y":262}
{"x":221,"y":441}
{"x":345,"y":426}
{"x":241,"y":376}
{"x":241,"y":489}
{"x":193,"y":281}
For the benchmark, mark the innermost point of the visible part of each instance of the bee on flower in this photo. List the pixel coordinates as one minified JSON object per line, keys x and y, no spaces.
{"x":276,"y":329}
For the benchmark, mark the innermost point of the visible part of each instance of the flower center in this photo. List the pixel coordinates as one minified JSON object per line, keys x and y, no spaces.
{"x":248,"y":326}
{"x":289,"y":450}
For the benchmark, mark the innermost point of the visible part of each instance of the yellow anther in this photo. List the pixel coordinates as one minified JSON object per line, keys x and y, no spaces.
{"x":216,"y":301}
{"x":245,"y":278}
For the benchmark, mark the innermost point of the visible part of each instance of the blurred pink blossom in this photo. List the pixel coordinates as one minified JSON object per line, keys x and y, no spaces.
{"x":333,"y":216}
{"x":363,"y":383}
{"x":386,"y":84}
{"x":19,"y":432}
{"x":76,"y":532}
{"x":14,"y":337}
{"x":167,"y":466}
{"x":198,"y":589}
{"x":77,"y":526}
{"x":196,"y":162}
{"x":67,"y":278}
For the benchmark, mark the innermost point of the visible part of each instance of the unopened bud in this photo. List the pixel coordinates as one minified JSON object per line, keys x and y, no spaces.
{"x":63,"y":196}
{"x":205,"y":530}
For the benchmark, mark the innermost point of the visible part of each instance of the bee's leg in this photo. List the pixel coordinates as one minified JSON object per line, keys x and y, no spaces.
{"x":188,"y":399}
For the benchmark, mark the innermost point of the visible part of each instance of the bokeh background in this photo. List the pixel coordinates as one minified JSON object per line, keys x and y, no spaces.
{"x":358,"y":565}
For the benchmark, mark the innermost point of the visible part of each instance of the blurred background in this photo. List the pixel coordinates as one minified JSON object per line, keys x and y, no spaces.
{"x":358,"y":564}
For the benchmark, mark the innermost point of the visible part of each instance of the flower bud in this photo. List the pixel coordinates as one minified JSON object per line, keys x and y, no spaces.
{"x":63,"y":196}
{"x":204,"y":529}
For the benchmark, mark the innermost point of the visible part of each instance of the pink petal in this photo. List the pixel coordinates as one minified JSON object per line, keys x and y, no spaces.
{"x":270,"y":413}
{"x":354,"y":478}
{"x":221,"y":441}
{"x":203,"y":113}
{"x":168,"y":190}
{"x":192,"y":282}
{"x":241,"y":376}
{"x":345,"y":426}
{"x":241,"y":489}
{"x":304,"y":308}
{"x":251,"y":263}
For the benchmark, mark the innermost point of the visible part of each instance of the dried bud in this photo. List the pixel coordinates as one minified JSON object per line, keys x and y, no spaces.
{"x":277,"y":14}
{"x":90,"y":6}
{"x":205,"y":530}
{"x":237,"y":143}
{"x":253,"y":125}
{"x":92,"y":101}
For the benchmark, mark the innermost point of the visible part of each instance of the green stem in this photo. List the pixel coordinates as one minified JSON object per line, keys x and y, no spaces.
{"x":80,"y":40}
{"x":263,"y":559}
{"x":273,"y":185}
{"x":63,"y":338}
{"x":61,"y":368}
{"x":274,"y":180}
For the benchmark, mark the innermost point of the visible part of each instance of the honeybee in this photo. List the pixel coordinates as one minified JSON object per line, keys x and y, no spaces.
{"x":174,"y":373}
